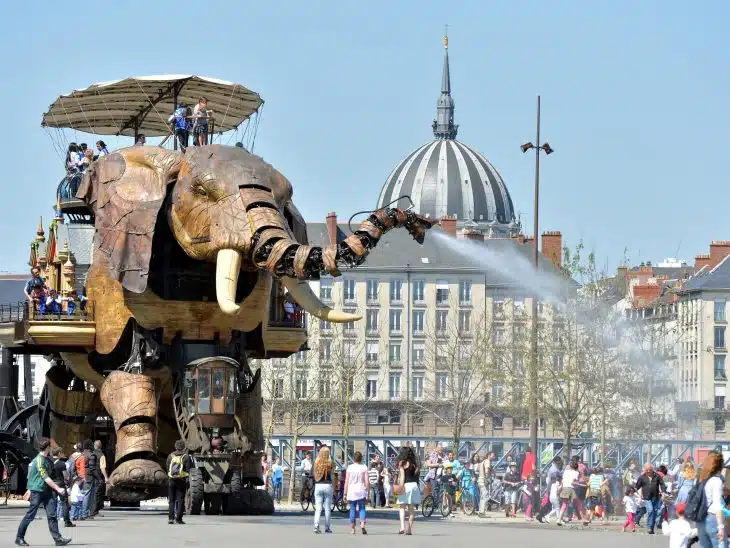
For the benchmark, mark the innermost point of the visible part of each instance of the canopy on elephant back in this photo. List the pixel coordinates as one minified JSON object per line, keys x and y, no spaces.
{"x":142,"y":104}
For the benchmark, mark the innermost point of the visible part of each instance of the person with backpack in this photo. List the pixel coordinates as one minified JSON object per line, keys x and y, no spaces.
{"x":42,"y":491}
{"x":705,"y":503}
{"x":92,"y":476}
{"x":178,"y":467}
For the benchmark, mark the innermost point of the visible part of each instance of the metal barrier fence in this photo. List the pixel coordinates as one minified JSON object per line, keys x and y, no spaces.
{"x":13,"y":312}
{"x":66,"y":310}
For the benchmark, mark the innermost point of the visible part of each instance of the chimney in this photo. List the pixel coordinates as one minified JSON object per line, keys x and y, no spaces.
{"x":621,"y":279}
{"x":448,"y":223}
{"x":718,"y":251}
{"x":332,"y":227}
{"x":552,"y":247}
{"x":702,"y":260}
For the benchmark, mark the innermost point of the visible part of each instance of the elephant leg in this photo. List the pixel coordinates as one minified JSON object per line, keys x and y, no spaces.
{"x":70,"y":409}
{"x":132,"y":401}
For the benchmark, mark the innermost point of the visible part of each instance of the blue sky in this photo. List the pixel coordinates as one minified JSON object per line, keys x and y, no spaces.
{"x":634,"y":102}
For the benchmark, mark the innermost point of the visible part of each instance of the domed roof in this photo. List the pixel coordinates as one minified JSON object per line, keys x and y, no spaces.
{"x":448,"y":177}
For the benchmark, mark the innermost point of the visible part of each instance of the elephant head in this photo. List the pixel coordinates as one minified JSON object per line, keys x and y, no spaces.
{"x":225,"y":206}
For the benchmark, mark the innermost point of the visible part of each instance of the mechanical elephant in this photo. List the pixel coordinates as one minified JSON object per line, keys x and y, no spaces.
{"x":187,"y":249}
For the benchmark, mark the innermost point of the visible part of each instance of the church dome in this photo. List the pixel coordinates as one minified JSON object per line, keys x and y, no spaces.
{"x":448,"y":177}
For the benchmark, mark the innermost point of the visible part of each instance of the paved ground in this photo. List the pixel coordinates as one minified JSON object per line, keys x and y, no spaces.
{"x":149,"y":529}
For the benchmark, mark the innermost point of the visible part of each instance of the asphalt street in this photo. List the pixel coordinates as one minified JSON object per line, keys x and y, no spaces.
{"x":149,"y":529}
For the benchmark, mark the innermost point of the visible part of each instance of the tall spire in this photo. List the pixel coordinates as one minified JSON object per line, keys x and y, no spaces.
{"x":443,"y":126}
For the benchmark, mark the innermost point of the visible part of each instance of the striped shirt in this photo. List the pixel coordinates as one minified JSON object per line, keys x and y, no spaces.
{"x":595,"y":482}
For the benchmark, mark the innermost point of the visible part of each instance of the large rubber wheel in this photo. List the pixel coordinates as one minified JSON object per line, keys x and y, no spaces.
{"x":233,"y":503}
{"x":304,"y":499}
{"x":427,"y":506}
{"x":468,"y":505}
{"x":342,"y":506}
{"x":445,"y":505}
{"x":195,"y":494}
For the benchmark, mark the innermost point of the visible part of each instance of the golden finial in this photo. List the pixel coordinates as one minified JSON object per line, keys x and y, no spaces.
{"x":40,"y":235}
{"x":446,"y":36}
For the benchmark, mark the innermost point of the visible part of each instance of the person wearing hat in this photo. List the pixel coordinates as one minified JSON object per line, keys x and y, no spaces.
{"x":448,"y":480}
{"x":512,"y":482}
{"x":680,"y":531}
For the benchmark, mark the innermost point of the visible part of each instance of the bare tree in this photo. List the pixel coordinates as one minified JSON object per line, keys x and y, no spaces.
{"x":460,"y":347}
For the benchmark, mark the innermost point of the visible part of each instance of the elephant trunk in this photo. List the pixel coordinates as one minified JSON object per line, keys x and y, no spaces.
{"x":276,"y":251}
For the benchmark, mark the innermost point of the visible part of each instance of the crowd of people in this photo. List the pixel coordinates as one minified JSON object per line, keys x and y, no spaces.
{"x":68,"y":484}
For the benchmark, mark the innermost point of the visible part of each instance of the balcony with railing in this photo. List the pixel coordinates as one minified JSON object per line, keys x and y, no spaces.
{"x":60,"y":322}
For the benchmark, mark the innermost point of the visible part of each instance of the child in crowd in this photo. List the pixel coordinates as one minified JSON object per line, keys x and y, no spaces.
{"x":53,"y":303}
{"x":532,"y":495}
{"x":277,"y":478}
{"x":71,"y":302}
{"x":630,"y":507}
{"x":77,"y":498}
{"x":680,"y":531}
{"x":448,"y":481}
{"x":388,"y":486}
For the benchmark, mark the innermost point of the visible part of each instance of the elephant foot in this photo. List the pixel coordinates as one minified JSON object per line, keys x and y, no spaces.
{"x":136,"y":480}
{"x":255,"y":502}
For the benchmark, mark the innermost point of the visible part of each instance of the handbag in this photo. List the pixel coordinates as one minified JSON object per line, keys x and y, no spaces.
{"x":400,"y":487}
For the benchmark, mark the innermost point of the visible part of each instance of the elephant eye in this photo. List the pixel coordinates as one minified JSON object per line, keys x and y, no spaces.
{"x":200,"y":190}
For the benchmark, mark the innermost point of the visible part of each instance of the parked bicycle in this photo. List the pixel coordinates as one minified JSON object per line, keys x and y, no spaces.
{"x":306,"y":496}
{"x":442,"y":501}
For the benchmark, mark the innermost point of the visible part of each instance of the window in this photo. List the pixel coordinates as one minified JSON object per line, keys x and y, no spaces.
{"x":463,"y":353}
{"x":372,"y":287}
{"x":465,"y":291}
{"x":325,"y":350}
{"x":519,"y":307}
{"x":349,"y":327}
{"x":371,"y":320}
{"x":497,"y":392}
{"x":395,"y":321}
{"x":720,"y":366}
{"x":394,"y":354}
{"x":558,"y":363}
{"x":417,"y":387}
{"x":279,"y":388}
{"x":719,"y":310}
{"x":394,"y":387}
{"x":418,"y":321}
{"x":419,"y":353}
{"x":371,"y":352}
{"x":464,"y":383}
{"x":325,"y":289}
{"x":383,"y":416}
{"x":371,"y":388}
{"x":325,"y":325}
{"x":395,"y":290}
{"x":497,"y":421}
{"x":301,"y":357}
{"x":278,"y":417}
{"x":442,"y":356}
{"x":442,"y":383}
{"x":442,"y":292}
{"x":441,"y":318}
{"x":498,"y":308}
{"x":719,"y":402}
{"x":348,"y":289}
{"x":498,"y":336}
{"x":348,"y":350}
{"x":317,"y":416}
{"x":417,"y":416}
{"x":418,"y":286}
{"x":464,"y":321}
{"x":300,"y":387}
{"x":324,"y":389}
{"x":719,"y":337}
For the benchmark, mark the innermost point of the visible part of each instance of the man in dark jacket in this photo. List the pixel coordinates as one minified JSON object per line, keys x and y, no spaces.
{"x":651,"y":486}
{"x":60,"y":476}
{"x":178,"y":467}
{"x":92,"y":478}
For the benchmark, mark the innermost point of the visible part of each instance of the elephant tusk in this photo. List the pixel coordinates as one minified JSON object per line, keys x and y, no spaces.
{"x":228,"y":267}
{"x":306,"y":298}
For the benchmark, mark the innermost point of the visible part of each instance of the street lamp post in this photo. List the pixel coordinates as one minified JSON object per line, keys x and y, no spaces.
{"x":533,"y":373}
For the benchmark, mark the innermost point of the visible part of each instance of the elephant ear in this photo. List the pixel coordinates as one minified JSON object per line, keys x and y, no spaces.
{"x":126,"y":191}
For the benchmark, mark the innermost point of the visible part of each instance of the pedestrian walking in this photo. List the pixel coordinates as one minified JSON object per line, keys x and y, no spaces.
{"x":324,"y":478}
{"x":60,"y":476}
{"x":356,"y":491}
{"x":178,"y":465}
{"x":408,"y":494}
{"x":42,"y":491}
{"x":630,"y":508}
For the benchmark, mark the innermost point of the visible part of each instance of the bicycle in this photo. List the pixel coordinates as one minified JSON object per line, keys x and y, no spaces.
{"x":306,"y":496}
{"x":466,"y":500}
{"x":340,"y":503}
{"x":442,"y":502}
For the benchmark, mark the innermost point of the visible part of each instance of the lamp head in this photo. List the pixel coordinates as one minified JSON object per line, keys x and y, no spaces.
{"x":547,"y":148}
{"x":526,"y":147}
